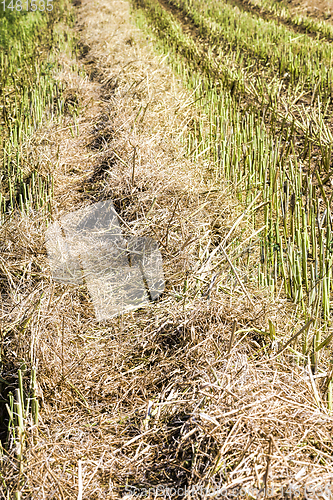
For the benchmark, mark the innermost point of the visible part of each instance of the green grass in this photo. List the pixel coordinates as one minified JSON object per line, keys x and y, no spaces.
{"x":30,"y":98}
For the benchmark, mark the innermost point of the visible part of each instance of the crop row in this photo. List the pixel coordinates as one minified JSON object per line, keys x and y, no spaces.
{"x":281,"y":11}
{"x":260,"y":159}
{"x":296,"y":58}
{"x":291,"y":104}
{"x":30,"y":97}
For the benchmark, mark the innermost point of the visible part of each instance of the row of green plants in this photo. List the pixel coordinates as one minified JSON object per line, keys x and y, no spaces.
{"x":31,"y":102}
{"x":261,"y":86}
{"x":282,"y":12}
{"x":296,"y":58}
{"x":262,"y":157}
{"x":31,"y":98}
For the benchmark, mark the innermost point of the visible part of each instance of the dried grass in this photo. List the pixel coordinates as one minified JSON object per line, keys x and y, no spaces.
{"x":153,"y":397}
{"x":316,"y":8}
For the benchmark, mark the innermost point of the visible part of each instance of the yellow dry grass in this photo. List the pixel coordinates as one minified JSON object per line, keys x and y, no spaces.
{"x":316,"y":8}
{"x":187,"y":393}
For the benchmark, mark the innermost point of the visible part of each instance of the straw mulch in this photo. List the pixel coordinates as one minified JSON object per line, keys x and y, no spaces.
{"x":186,"y":396}
{"x":315,"y":8}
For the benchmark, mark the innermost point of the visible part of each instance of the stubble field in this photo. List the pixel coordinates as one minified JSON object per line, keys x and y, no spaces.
{"x":209,"y":126}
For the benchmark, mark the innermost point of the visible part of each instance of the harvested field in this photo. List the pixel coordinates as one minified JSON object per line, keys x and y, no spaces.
{"x":216,"y":143}
{"x":315,"y":8}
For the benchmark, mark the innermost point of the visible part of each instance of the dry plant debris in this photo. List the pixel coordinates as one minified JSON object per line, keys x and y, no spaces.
{"x":316,"y":8}
{"x":189,"y":394}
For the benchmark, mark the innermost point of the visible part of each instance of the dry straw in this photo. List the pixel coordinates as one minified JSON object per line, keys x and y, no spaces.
{"x":186,"y":393}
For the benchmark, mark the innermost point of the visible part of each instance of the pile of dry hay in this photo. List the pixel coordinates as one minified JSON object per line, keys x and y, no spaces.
{"x":186,"y":396}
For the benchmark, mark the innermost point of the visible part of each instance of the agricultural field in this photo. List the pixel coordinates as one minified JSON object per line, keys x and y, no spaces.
{"x":209,"y":126}
{"x":264,"y":94}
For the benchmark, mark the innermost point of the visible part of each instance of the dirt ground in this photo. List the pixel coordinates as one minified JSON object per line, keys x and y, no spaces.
{"x":322,"y":9}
